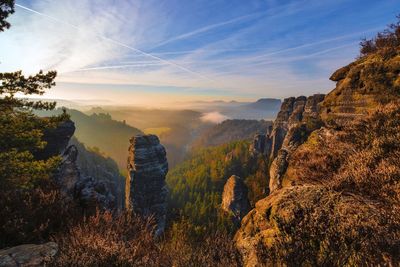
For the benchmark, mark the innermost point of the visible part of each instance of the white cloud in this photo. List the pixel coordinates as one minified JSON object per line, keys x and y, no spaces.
{"x":213,"y":117}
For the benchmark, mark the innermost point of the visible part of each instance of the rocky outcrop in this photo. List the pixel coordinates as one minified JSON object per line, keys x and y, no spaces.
{"x":286,"y":212}
{"x":297,"y":118}
{"x":103,"y":172}
{"x":89,"y":192}
{"x":57,"y":140}
{"x":234,"y":198}
{"x":360,"y":87}
{"x":28,"y":255}
{"x":146,"y":189}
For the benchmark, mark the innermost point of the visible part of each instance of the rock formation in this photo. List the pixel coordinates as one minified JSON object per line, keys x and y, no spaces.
{"x":57,"y":140}
{"x":297,"y":118}
{"x":87,"y":191}
{"x":146,"y":190}
{"x":28,"y":255}
{"x":277,"y":170}
{"x":234,"y":198}
{"x":318,"y":167}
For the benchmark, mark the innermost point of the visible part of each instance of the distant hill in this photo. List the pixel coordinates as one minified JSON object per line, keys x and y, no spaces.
{"x":231,"y":130}
{"x":174,"y":127}
{"x":143,"y":118}
{"x":264,"y":108}
{"x":265,"y":104}
{"x":101,"y":131}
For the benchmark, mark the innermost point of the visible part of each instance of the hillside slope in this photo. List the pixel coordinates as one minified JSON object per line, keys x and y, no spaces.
{"x":196,"y":185}
{"x":102,"y":131}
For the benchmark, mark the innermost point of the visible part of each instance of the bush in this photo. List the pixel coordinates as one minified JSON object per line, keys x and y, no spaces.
{"x":385,"y":43}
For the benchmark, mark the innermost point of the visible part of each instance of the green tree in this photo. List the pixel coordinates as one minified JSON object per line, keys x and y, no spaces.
{"x":21,"y":131}
{"x":6,"y":8}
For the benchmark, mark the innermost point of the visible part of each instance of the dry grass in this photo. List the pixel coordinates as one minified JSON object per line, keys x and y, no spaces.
{"x":107,"y":240}
{"x":127,"y":240}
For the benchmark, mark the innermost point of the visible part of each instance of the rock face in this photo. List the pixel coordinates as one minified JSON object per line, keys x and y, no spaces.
{"x":278,"y":169}
{"x":360,"y":87}
{"x":146,"y":189}
{"x":297,"y":118}
{"x":234,"y":198}
{"x":263,"y":227}
{"x":28,"y":255}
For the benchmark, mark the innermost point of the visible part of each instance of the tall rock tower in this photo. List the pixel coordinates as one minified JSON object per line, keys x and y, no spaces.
{"x":146,"y":190}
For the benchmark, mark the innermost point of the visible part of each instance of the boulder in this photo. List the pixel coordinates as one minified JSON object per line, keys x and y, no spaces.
{"x":28,"y":255}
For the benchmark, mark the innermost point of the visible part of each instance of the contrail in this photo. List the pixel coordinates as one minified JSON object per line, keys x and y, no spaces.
{"x":117,"y":67}
{"x":117,"y":43}
{"x":207,"y":28}
{"x":224,"y":23}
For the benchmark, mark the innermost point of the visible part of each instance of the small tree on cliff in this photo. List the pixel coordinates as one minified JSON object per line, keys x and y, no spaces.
{"x":20,"y":130}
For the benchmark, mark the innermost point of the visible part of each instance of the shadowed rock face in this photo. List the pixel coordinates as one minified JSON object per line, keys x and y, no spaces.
{"x":57,"y":140}
{"x":146,"y":190}
{"x":234,"y":198}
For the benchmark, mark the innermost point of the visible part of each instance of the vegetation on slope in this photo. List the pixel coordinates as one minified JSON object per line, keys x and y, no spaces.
{"x":231,"y":130}
{"x":196,"y":185}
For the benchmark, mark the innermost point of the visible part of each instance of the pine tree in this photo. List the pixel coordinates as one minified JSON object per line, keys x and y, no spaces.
{"x":21,"y":130}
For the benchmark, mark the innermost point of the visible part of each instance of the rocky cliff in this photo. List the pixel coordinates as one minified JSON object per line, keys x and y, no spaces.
{"x":334,"y":173}
{"x":297,"y":118}
{"x":146,"y":190}
{"x":90,"y":192}
{"x":234,"y":198}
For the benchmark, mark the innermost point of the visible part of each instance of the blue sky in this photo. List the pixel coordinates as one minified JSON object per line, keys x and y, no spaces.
{"x":157,"y":52}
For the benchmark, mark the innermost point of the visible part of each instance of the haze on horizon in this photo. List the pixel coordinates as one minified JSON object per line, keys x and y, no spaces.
{"x":148,"y":52}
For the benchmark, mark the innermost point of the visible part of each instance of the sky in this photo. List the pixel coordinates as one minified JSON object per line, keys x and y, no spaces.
{"x":155,"y":52}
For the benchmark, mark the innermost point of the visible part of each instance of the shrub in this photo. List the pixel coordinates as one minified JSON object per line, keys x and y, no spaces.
{"x":32,"y":216}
